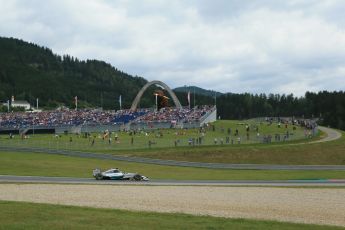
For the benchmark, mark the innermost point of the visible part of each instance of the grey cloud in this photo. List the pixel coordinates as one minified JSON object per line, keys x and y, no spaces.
{"x":238,"y":46}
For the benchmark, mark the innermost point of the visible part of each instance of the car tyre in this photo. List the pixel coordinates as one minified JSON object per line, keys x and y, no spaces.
{"x":137,"y":177}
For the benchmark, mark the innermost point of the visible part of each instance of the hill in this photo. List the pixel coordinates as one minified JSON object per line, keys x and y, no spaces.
{"x":29,"y":71}
{"x":198,"y":90}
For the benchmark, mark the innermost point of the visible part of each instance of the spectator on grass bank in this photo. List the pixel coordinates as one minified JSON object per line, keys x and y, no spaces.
{"x":189,"y":141}
{"x":314,"y":131}
{"x":215,"y":140}
{"x":229,"y":131}
{"x":264,"y":139}
{"x":227,"y":140}
{"x":238,"y":140}
{"x":277,"y":137}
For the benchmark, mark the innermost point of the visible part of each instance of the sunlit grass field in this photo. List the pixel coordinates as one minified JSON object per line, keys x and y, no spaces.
{"x":164,"y":138}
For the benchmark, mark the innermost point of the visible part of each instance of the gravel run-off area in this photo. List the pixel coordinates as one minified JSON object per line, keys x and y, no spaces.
{"x":300,"y":205}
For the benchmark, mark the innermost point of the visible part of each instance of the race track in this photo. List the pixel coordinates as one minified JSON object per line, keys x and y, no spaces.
{"x":332,"y":135}
{"x":270,"y":183}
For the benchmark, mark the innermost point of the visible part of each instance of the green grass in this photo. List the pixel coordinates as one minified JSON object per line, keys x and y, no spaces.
{"x":22,"y":215}
{"x":39,"y":164}
{"x":327,"y":153}
{"x":295,"y":153}
{"x":330,"y":153}
{"x":141,"y":139}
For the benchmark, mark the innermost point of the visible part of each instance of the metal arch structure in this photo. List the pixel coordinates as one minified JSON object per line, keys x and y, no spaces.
{"x":141,"y":92}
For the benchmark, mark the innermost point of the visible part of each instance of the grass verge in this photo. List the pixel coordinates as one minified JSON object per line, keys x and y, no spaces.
{"x":22,"y":215}
{"x":39,"y":164}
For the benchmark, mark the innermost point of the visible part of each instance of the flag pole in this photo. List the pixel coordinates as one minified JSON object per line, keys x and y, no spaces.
{"x":120,"y":102}
{"x":194,"y":97}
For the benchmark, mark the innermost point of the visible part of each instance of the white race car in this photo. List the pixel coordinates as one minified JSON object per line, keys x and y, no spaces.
{"x":116,"y":174}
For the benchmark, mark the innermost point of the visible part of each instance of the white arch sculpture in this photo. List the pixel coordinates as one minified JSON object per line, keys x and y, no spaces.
{"x":141,"y":92}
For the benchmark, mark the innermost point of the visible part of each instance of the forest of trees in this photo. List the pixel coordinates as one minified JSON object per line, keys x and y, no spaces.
{"x":29,"y":71}
{"x":328,"y":106}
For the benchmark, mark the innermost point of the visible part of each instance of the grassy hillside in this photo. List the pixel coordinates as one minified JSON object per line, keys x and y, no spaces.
{"x":25,"y":66}
{"x":163,"y":138}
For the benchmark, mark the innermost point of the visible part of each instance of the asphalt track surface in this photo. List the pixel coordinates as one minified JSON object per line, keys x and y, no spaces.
{"x":331,"y":135}
{"x":270,"y":183}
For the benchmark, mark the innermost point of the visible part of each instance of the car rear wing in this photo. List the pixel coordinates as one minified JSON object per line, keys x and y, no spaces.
{"x":96,"y":172}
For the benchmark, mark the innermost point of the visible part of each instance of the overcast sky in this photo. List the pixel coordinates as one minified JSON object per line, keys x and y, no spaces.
{"x":263,"y":46}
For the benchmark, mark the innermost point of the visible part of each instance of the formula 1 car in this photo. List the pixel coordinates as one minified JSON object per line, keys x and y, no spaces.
{"x":116,"y":174}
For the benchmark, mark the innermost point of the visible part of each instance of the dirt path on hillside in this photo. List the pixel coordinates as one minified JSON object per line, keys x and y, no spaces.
{"x":301,"y":205}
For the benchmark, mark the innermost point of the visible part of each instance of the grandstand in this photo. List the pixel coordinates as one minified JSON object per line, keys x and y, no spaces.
{"x":95,"y":120}
{"x":71,"y":121}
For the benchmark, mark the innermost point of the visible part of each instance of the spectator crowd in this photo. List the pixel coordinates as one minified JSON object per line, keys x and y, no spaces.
{"x":55,"y":118}
{"x":176,"y":115}
{"x":61,"y":117}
